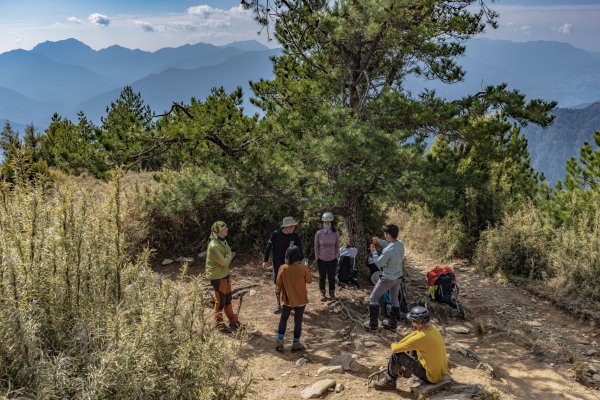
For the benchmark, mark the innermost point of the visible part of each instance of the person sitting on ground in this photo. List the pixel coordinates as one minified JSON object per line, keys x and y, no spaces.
{"x":218,"y":258}
{"x":278,"y":243}
{"x":390,"y":262}
{"x":327,"y":252}
{"x":431,"y":364}
{"x":292,"y":278}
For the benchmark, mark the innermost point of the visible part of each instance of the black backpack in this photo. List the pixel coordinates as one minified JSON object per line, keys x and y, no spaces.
{"x":444,"y":291}
{"x":346,"y":270}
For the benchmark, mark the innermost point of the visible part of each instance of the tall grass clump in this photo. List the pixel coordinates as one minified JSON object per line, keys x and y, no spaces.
{"x":554,"y":248}
{"x":421,"y":231}
{"x":82,"y":316}
{"x":519,"y":247}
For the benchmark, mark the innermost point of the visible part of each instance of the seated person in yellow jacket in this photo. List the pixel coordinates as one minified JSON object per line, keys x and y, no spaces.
{"x":218,"y":258}
{"x":431,"y":364}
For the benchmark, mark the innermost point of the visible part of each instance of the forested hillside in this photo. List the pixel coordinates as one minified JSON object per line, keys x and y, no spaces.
{"x":550,"y":148}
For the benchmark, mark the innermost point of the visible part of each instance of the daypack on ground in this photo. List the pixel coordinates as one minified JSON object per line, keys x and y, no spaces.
{"x":443,"y":288}
{"x":346,"y":268}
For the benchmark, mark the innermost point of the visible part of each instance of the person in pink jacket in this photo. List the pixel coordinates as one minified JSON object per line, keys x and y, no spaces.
{"x":327,"y":252}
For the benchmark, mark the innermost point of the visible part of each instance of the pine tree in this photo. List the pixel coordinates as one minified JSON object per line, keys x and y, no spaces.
{"x":338,"y":105}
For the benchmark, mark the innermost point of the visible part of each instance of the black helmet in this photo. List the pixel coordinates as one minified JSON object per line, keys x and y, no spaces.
{"x":419,"y":314}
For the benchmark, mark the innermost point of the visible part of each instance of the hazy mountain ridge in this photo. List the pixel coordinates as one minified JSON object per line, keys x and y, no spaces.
{"x":550,"y":148}
{"x":68,"y":76}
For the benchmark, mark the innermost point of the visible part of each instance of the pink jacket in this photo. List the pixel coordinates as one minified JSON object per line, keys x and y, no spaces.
{"x":327,"y":245}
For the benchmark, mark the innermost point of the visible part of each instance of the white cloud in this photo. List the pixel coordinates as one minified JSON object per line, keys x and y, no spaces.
{"x":526,"y":28}
{"x":75,"y":20}
{"x":99,"y":19}
{"x":145,"y":26}
{"x":204,"y":11}
{"x":18,"y":38}
{"x":565,"y":28}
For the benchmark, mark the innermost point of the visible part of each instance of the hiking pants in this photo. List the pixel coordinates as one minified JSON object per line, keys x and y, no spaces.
{"x":382,"y":286}
{"x":327,"y":270}
{"x":223,"y":299}
{"x":285,"y":314}
{"x":405,"y":364}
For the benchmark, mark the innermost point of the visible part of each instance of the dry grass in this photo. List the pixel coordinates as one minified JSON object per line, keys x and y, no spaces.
{"x":441,"y":239}
{"x":83,"y":316}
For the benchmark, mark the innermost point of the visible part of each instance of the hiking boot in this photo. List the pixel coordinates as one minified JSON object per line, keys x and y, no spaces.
{"x":393,"y":321}
{"x":277,"y":309}
{"x":279,"y":345}
{"x":332,"y":295}
{"x":223,"y":328}
{"x":234,"y":326}
{"x":297,"y":346}
{"x":323,"y":296}
{"x":385,"y":383}
{"x":373,"y":318}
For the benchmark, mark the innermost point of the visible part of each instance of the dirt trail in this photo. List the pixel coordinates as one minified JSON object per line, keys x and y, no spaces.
{"x":533,"y":347}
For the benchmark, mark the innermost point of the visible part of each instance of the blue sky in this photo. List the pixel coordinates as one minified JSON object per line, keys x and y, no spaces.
{"x":153,"y":24}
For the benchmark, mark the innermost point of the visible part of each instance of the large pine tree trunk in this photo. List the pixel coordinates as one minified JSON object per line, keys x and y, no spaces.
{"x":355,"y":226}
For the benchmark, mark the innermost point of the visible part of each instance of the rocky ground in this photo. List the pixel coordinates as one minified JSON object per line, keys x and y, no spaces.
{"x":510,"y":345}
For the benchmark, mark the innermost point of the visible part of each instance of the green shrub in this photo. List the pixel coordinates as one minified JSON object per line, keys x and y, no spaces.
{"x":420,"y":230}
{"x":83,"y":316}
{"x":520,"y":247}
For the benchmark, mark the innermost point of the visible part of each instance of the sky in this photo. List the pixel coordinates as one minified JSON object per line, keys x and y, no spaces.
{"x":153,"y":24}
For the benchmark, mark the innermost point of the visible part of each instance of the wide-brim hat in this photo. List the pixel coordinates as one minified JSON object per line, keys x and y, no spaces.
{"x":288,"y":221}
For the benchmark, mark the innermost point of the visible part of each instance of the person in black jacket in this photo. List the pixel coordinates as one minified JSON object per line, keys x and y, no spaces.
{"x":278,"y":243}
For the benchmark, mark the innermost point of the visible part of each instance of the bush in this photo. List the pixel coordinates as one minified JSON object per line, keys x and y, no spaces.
{"x":420,"y":230}
{"x":83,"y":316}
{"x":520,"y":247}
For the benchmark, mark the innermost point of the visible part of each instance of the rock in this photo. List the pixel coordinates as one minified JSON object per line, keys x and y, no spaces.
{"x":317,"y":389}
{"x":358,"y":344}
{"x":457,"y":396}
{"x":423,"y":388}
{"x":463,"y":330}
{"x":300,"y":362}
{"x":591,"y":352}
{"x":286,"y":373}
{"x":596,"y":377}
{"x":331,"y":369}
{"x":593,"y":369}
{"x":551,"y":365}
{"x":184,"y":259}
{"x":202,"y":255}
{"x":535,"y":324}
{"x":252,"y":292}
{"x":339,"y":387}
{"x":254,"y":332}
{"x":463,"y":351}
{"x":347,"y":344}
{"x":167,"y":261}
{"x":344,"y":360}
{"x":370,"y":344}
{"x":583,"y":341}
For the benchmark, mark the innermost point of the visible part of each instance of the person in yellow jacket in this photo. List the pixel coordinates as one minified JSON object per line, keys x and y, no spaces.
{"x":431,"y":362}
{"x":218,"y":258}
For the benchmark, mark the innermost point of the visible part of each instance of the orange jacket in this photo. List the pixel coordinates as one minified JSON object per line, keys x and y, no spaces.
{"x":291,"y":284}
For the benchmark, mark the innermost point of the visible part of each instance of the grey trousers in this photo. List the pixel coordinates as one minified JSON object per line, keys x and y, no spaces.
{"x":383,"y":286}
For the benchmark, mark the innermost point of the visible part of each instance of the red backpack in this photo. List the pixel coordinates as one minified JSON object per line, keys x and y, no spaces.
{"x":442,"y":285}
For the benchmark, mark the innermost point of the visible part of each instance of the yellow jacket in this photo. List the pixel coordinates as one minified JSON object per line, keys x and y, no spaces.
{"x":430,"y":349}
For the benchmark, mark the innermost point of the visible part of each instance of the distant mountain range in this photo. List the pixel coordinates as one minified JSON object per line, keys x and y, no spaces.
{"x":68,"y":76}
{"x":550,"y":148}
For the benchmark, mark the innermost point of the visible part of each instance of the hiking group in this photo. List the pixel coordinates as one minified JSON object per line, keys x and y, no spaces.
{"x":421,"y":353}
